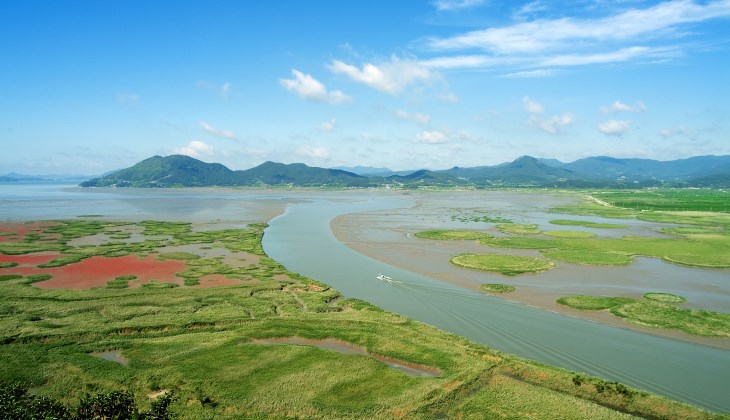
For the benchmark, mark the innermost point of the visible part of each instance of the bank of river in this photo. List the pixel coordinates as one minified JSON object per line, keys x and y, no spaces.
{"x":302,"y":240}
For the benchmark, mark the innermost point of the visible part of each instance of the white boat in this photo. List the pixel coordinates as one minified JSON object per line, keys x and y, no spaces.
{"x":383,"y":277}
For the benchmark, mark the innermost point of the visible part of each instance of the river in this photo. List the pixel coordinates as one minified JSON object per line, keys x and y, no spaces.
{"x":302,"y":240}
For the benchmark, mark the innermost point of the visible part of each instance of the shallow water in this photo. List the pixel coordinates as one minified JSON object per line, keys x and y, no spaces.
{"x":112,"y":356}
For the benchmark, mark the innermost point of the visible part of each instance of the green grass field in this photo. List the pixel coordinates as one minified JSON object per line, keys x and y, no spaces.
{"x":658,"y":310}
{"x":596,"y":225}
{"x":496,"y":288}
{"x":509,"y":265}
{"x":196,"y":343}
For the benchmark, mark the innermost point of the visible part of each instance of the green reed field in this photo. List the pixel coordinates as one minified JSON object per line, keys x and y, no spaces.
{"x":196,"y":343}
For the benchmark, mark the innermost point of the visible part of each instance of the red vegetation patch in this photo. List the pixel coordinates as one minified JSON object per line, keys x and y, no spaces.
{"x":212,"y":280}
{"x":29,"y":259}
{"x":20,"y":230}
{"x":96,"y":271}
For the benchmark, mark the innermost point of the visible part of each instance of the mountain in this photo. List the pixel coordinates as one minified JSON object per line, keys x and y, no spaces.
{"x":636,"y":170}
{"x":525,"y":170}
{"x":364,"y":170}
{"x":299,"y":174}
{"x":170,"y":171}
{"x":593,"y":172}
{"x":184,"y":171}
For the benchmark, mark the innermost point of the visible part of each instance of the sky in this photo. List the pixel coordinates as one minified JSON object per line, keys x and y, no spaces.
{"x":88,"y":87}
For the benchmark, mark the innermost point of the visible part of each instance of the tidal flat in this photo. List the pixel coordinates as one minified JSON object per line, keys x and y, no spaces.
{"x":303,"y":306}
{"x":392,"y":236}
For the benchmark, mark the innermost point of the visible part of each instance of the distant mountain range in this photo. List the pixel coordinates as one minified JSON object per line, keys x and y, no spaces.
{"x":15,"y":177}
{"x":526,"y":171}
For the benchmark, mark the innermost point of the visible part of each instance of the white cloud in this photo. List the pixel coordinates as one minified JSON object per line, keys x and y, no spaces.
{"x":614,"y":127}
{"x":196,"y":149}
{"x":529,"y":8}
{"x":533,"y":107}
{"x":464,"y":62}
{"x":225,"y":89}
{"x":550,"y":34}
{"x":417,"y":117}
{"x":129,"y":99}
{"x":431,"y":137}
{"x":217,"y":132}
{"x":389,"y":77}
{"x":328,"y":125}
{"x":530,"y":74}
{"x":449,"y":5}
{"x":552,"y":125}
{"x":624,"y":54}
{"x":676,"y":131}
{"x":308,"y":87}
{"x":313,"y":152}
{"x":619,"y":106}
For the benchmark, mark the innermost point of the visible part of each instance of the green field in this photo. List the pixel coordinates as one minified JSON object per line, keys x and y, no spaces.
{"x":509,"y":265}
{"x":496,"y":288}
{"x":711,"y":200}
{"x":568,"y":222}
{"x":195,"y":343}
{"x":658,"y":310}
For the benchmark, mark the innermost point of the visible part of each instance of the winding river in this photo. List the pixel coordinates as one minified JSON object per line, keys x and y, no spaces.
{"x":302,"y":241}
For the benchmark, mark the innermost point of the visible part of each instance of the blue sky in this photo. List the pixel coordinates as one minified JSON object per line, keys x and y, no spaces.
{"x":92,"y":86}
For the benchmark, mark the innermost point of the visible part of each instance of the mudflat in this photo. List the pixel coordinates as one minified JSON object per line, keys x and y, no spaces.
{"x":389,"y":236}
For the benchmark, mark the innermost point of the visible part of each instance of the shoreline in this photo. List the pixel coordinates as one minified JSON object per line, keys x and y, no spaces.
{"x":419,"y":255}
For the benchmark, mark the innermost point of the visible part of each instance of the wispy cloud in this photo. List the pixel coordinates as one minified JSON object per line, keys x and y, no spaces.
{"x":619,"y":106}
{"x":551,"y":34}
{"x":450,"y":5}
{"x":531,"y":73}
{"x":417,"y":117}
{"x":667,"y":133}
{"x":313,"y":152}
{"x":531,"y":106}
{"x":632,"y":34}
{"x":390,"y":77}
{"x":553,"y":124}
{"x":221,"y":90}
{"x":431,"y":137}
{"x":196,"y":149}
{"x":328,"y":125}
{"x":308,"y":87}
{"x":614,"y":127}
{"x":128,"y":99}
{"x":217,"y":132}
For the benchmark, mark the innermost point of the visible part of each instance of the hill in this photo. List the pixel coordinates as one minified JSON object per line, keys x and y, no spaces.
{"x":184,"y":171}
{"x":526,"y":171}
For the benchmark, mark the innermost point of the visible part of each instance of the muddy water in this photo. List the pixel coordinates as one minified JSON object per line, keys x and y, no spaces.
{"x":112,"y":356}
{"x":344,"y":347}
{"x":302,"y":240}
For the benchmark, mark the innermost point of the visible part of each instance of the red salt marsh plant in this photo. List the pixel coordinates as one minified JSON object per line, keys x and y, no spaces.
{"x":97,"y":271}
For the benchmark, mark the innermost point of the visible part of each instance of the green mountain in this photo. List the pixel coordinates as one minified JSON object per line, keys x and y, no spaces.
{"x":170,"y":171}
{"x":525,"y":170}
{"x":595,"y":172}
{"x":637,"y":170}
{"x":184,"y":171}
{"x":299,"y":174}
